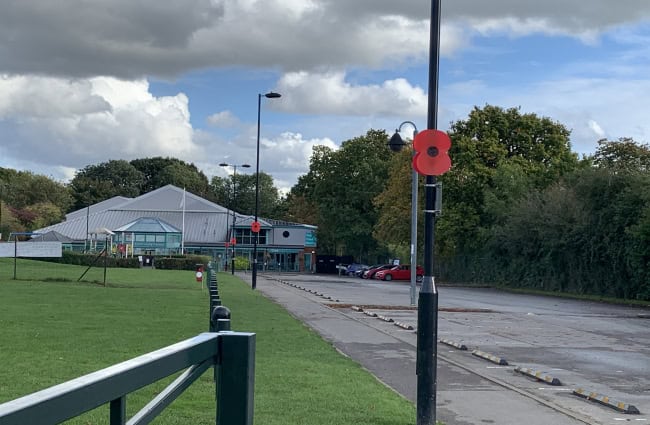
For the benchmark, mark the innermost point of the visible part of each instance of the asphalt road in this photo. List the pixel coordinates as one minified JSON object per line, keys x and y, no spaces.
{"x":596,"y":347}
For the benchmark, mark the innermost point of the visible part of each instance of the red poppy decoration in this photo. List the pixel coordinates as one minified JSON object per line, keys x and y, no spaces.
{"x":233,"y":241}
{"x":255,"y":227}
{"x":227,"y":244}
{"x":431,"y":152}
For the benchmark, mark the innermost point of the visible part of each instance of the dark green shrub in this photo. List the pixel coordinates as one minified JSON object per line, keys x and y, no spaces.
{"x":188,"y":262}
{"x":81,"y":259}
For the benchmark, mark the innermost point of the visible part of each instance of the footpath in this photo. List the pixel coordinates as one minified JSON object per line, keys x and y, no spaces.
{"x":464,"y":396}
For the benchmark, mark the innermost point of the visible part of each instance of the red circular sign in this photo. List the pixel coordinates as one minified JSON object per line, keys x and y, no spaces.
{"x":233,"y":241}
{"x":431,"y":152}
{"x":255,"y":227}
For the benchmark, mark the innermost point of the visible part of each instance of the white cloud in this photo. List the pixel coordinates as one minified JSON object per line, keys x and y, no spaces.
{"x":592,"y":108}
{"x":287,"y":157}
{"x":48,"y":98}
{"x":330,"y":93}
{"x":223,"y":119}
{"x":595,"y":127}
{"x":72,"y":123}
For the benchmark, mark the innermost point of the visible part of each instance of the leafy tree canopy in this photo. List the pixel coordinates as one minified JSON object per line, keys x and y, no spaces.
{"x":342,"y":185}
{"x":23,"y":188}
{"x":535,"y":151}
{"x":622,"y":155}
{"x":96,"y":183}
{"x":159,"y":172}
{"x":243,"y":200}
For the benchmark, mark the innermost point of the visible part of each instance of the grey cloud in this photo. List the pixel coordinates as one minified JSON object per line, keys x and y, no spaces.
{"x":106,"y":37}
{"x":569,"y":15}
{"x":131,"y":39}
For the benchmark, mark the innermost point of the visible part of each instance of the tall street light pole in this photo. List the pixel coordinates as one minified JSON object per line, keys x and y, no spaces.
{"x":427,"y":334}
{"x":232,"y":207}
{"x":269,"y":95}
{"x":396,"y":143}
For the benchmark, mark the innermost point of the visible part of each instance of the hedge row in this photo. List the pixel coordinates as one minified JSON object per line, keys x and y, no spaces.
{"x":188,"y":262}
{"x":81,"y":259}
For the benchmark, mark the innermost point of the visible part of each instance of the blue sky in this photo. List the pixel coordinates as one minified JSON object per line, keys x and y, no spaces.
{"x":133,"y":79}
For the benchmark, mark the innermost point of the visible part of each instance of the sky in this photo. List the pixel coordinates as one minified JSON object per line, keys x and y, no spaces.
{"x":84,"y":82}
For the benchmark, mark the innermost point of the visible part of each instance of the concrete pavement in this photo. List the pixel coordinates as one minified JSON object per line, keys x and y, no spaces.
{"x":467,"y":393}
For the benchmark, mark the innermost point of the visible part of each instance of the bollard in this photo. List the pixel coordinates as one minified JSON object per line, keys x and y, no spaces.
{"x":215,"y":302}
{"x":219,"y":322}
{"x":220,"y":313}
{"x":223,"y":325}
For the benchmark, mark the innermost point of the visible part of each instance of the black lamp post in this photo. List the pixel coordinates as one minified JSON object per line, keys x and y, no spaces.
{"x":232,"y":207}
{"x":269,"y":95}
{"x":427,"y":334}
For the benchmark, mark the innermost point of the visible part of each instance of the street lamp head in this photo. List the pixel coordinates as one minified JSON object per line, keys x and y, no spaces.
{"x":272,"y":95}
{"x":396,"y":143}
{"x":225,"y":164}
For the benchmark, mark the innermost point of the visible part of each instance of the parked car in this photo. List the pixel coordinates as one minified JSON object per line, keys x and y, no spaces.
{"x":370,"y":273}
{"x":353,"y":268}
{"x":362,"y":270}
{"x":402,"y":272}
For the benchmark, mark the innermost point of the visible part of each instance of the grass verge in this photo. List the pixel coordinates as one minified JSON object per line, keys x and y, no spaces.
{"x":57,"y":330}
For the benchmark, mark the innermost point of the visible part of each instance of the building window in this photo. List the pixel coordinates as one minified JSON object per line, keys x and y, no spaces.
{"x":247,"y":237}
{"x":285,"y":234}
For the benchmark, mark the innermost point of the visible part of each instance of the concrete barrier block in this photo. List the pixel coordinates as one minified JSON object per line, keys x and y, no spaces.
{"x":606,"y":401}
{"x":460,"y":346}
{"x":489,"y":357}
{"x":540,"y":376}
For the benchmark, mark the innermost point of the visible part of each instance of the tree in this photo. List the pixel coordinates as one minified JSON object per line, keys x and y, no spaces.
{"x":28,"y":200}
{"x":159,"y":171}
{"x":537,"y":148}
{"x":96,"y":183}
{"x":244,"y":200}
{"x":622,"y":155}
{"x":8,"y":221}
{"x":585,"y":234}
{"x":394,"y":203}
{"x":299,"y":204}
{"x":299,"y":209}
{"x":43,"y":214}
{"x":182,"y":175}
{"x":23,"y":188}
{"x":342,"y":185}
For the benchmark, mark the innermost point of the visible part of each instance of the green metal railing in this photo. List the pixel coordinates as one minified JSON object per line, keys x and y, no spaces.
{"x":232,"y":354}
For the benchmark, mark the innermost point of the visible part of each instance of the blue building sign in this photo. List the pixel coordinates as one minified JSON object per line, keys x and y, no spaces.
{"x":310,"y":238}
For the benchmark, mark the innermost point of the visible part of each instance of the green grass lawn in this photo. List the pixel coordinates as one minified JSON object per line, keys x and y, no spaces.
{"x":55,"y":330}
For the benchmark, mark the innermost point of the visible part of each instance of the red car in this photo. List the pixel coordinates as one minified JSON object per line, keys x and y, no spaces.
{"x":370,"y":273}
{"x":402,"y":272}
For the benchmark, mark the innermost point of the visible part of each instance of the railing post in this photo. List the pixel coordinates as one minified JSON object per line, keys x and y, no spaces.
{"x":213,"y":294}
{"x":236,"y":379}
{"x":118,"y":411}
{"x":219,"y":316}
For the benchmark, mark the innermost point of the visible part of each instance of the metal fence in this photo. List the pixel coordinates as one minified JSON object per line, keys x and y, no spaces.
{"x":232,"y":354}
